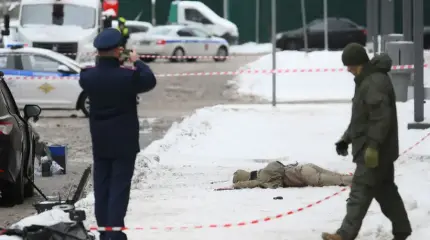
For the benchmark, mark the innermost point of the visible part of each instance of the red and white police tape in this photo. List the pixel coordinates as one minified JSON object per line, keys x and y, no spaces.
{"x":244,"y":223}
{"x":223,"y":73}
{"x":148,"y":56}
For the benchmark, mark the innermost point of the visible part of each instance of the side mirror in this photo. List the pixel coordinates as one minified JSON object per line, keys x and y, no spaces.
{"x":32,"y":111}
{"x":64,"y":69}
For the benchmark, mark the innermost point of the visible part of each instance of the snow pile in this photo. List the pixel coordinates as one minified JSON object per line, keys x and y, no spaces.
{"x":251,"y":48}
{"x":202,"y":152}
{"x":299,"y":87}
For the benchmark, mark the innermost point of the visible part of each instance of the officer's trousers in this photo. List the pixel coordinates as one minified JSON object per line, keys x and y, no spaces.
{"x":112,"y":182}
{"x":378,"y":184}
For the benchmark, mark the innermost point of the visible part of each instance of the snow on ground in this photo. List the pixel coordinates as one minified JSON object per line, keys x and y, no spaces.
{"x":251,"y":48}
{"x":312,"y":86}
{"x":210,"y":145}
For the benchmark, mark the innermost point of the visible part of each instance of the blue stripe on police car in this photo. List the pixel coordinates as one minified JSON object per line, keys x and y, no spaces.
{"x":14,"y":72}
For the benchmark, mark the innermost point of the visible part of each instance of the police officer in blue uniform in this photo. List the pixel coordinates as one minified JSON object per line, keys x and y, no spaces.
{"x":114,"y":127}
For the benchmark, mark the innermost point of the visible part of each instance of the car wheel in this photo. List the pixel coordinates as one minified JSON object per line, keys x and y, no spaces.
{"x":178,"y":55}
{"x":28,"y":187}
{"x":221,"y":54}
{"x":84,"y":104}
{"x":148,"y":59}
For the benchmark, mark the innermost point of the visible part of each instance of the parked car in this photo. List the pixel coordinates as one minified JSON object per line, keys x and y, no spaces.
{"x":43,"y":77}
{"x":17,"y":148}
{"x":341,"y":32}
{"x":179,"y":41}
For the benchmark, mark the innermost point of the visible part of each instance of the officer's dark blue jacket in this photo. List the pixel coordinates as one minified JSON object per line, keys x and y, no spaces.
{"x":112,"y":91}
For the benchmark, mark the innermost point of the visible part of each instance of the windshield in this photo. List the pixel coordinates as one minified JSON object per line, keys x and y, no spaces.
{"x":63,"y":58}
{"x":58,"y":14}
{"x":160,"y":30}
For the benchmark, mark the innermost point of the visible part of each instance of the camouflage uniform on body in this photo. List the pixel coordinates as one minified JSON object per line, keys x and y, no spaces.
{"x":277,"y":175}
{"x":373,"y":133}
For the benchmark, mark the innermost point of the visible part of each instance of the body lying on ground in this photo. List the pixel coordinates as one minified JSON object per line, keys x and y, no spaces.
{"x":278,"y":175}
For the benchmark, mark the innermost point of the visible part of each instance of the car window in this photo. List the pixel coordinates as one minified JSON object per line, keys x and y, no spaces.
{"x":160,"y":31}
{"x":340,"y":25}
{"x":136,"y":29}
{"x":195,"y":16}
{"x":186,"y":33}
{"x":7,"y":61}
{"x":199,"y":33}
{"x":39,"y":63}
{"x":3,"y":61}
{"x":7,"y":99}
{"x":332,"y":24}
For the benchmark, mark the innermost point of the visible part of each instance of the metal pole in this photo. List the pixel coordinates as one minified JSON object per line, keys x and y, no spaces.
{"x":273,"y":52}
{"x":387,"y":17}
{"x":375,"y":19}
{"x":369,"y":22}
{"x":325,"y":25}
{"x":225,"y":9}
{"x":257,"y":21}
{"x":419,"y":60}
{"x":154,"y":21}
{"x":407,"y":20}
{"x":305,"y":31}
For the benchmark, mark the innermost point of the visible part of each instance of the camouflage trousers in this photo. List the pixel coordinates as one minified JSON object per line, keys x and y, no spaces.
{"x":378,"y":184}
{"x":316,"y":176}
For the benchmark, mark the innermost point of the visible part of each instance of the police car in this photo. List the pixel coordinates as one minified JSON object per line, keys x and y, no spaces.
{"x":43,"y":77}
{"x":178,"y":41}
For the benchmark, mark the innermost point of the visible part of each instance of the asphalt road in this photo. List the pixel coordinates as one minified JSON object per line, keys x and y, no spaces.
{"x":172,"y":99}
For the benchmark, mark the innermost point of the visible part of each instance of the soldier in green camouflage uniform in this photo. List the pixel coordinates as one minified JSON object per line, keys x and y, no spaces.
{"x":373,"y":133}
{"x":277,"y":175}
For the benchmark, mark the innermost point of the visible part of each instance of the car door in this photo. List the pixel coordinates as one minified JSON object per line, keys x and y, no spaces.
{"x":14,"y":112}
{"x":189,"y":40}
{"x":315,"y":32}
{"x":47,"y":87}
{"x":205,"y":46}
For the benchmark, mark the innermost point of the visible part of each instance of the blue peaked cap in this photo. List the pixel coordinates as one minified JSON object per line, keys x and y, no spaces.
{"x":108,"y":39}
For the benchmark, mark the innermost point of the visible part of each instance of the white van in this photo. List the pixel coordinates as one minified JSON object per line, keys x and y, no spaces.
{"x":197,"y":13}
{"x":64,"y":26}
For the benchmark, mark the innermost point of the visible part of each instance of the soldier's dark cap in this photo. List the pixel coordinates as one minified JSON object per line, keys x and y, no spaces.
{"x":354,"y":55}
{"x":108,"y":39}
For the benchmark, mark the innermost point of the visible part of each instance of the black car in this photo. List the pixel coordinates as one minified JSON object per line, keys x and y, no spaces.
{"x":17,"y":148}
{"x":341,"y":31}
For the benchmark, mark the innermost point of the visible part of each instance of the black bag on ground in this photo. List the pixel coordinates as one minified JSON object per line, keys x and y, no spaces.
{"x":59,"y":231}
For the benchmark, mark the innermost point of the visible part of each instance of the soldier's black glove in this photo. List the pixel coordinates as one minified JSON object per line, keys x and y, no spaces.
{"x":342,"y":148}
